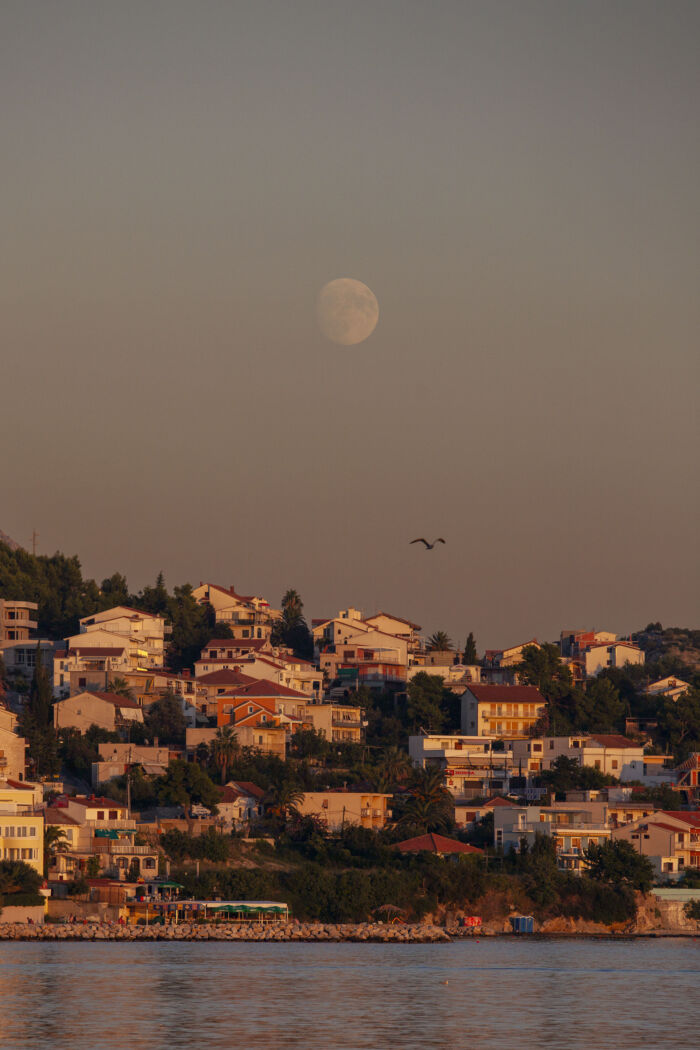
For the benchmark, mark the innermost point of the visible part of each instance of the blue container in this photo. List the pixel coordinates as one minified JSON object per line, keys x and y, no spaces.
{"x":522,"y":923}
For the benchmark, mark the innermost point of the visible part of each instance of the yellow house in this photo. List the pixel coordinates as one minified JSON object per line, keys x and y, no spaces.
{"x":21,"y":829}
{"x":501,"y":710}
{"x":338,"y":808}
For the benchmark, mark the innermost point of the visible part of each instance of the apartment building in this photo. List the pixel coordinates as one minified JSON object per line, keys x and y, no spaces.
{"x":501,"y":710}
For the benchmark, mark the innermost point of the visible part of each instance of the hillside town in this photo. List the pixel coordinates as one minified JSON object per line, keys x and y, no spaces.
{"x":144,"y":775}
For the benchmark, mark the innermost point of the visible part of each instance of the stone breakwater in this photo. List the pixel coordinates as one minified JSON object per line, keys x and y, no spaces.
{"x":292,"y":932}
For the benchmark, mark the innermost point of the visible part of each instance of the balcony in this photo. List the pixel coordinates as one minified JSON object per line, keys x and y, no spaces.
{"x":346,"y":723}
{"x":128,"y":848}
{"x":112,"y":825}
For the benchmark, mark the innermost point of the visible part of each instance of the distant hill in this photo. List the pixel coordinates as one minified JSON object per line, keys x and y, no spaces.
{"x":680,"y":644}
{"x":9,"y":542}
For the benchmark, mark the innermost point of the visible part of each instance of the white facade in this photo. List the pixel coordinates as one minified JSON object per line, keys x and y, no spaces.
{"x":616,"y":654}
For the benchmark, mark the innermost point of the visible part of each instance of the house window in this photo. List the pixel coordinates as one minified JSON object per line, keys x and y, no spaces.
{"x":614,"y":763}
{"x":82,"y":682}
{"x":537,"y":747}
{"x":113,"y":814}
{"x":597,"y":763}
{"x":551,"y":745}
{"x":100,"y":814}
{"x":250,"y":710}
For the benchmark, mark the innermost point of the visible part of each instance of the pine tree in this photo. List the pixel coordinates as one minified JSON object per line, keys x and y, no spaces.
{"x":36,"y":722}
{"x":470,"y":654}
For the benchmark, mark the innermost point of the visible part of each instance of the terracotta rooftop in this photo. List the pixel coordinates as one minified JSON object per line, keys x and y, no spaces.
{"x":613,"y":740}
{"x":433,"y":843}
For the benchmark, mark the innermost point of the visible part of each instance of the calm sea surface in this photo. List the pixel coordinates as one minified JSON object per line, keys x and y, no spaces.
{"x":502,"y":993}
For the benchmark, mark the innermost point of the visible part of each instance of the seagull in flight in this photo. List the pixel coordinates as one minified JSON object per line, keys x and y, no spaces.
{"x":428,"y":546}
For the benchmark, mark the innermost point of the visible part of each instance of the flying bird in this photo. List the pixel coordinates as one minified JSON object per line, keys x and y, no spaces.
{"x":428,"y":546}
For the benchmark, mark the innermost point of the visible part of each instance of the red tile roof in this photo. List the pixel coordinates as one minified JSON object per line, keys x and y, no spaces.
{"x":390,"y":616}
{"x":225,"y":677}
{"x":97,"y":802}
{"x":235,"y":643}
{"x":249,"y":788}
{"x":435,"y":844}
{"x":114,"y":698}
{"x":263,"y":687}
{"x":19,"y":784}
{"x":613,"y":740}
{"x":56,"y":815}
{"x":507,"y":693}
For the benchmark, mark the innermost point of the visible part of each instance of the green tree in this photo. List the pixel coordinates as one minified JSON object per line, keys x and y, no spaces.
{"x":440,"y":641}
{"x":186,"y":784}
{"x":116,"y":591}
{"x":16,"y":877}
{"x":618,"y":862}
{"x":291,"y":630}
{"x":542,"y":666}
{"x":36,"y":723}
{"x":395,"y":766}
{"x":165,"y":720}
{"x":679,"y":724}
{"x":470,"y":655}
{"x":92,"y":868}
{"x":281,"y":801}
{"x":55,"y":841}
{"x":429,"y":806}
{"x":120,"y":687}
{"x":424,"y":703}
{"x":224,"y":749}
{"x":599,"y":708}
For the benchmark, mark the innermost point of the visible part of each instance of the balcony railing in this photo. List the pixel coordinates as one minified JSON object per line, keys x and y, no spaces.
{"x":109,"y":846}
{"x":116,"y":825}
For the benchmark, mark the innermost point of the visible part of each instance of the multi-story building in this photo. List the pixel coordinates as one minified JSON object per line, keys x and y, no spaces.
{"x":573,"y":829}
{"x":12,"y":747}
{"x":336,"y":809}
{"x":669,"y":839}
{"x":116,"y":759}
{"x":247,"y":615}
{"x":269,"y":738}
{"x":16,"y":621}
{"x":106,"y":710}
{"x":614,"y":654}
{"x":21,"y":824}
{"x":610,"y":753}
{"x":103,"y":828}
{"x":501,"y":710}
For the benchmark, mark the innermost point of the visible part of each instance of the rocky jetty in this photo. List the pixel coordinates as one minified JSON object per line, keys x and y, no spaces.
{"x":294,"y":931}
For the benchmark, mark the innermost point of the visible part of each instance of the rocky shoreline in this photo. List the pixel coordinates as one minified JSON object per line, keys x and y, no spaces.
{"x":279,"y":932}
{"x":375,"y":933}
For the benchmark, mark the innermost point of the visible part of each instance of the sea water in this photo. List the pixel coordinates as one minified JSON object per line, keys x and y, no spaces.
{"x":498,"y":993}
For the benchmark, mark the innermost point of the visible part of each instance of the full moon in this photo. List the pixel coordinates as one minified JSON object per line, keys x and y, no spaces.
{"x":347,"y":311}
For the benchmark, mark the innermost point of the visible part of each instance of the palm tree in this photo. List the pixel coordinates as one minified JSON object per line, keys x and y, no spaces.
{"x":430,"y":804}
{"x":439,"y":642}
{"x":395,"y":767}
{"x":224,"y":749}
{"x":55,"y":841}
{"x":120,"y":687}
{"x":283,"y":799}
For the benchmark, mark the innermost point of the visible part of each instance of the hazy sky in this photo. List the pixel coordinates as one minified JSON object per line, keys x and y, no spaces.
{"x":517,"y":182}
